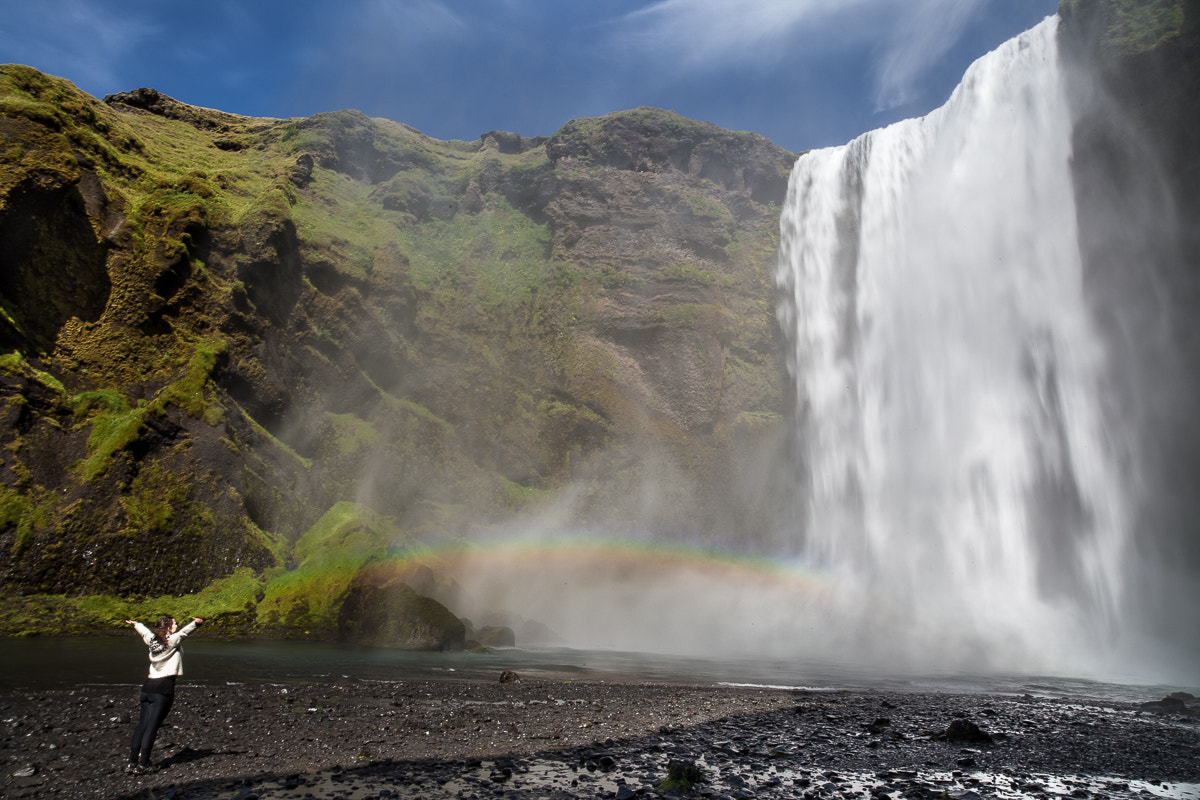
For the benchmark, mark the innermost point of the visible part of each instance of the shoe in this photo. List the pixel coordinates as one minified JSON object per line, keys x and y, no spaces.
{"x":131,"y":768}
{"x":142,"y":769}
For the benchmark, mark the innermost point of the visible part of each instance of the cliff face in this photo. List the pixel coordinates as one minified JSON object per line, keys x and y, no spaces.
{"x":1135,"y":77}
{"x":216,"y":329}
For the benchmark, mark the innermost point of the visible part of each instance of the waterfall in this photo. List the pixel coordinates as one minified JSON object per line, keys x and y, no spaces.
{"x":962,"y":484}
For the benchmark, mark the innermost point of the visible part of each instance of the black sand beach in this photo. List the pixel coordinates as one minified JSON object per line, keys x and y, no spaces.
{"x":547,"y":739}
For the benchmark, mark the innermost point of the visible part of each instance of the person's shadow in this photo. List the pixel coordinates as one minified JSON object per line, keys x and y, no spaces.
{"x":187,"y":755}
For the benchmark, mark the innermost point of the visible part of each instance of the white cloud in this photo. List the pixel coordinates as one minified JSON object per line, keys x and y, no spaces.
{"x":924,"y":33}
{"x":73,"y":37}
{"x":905,"y":37}
{"x":712,"y":34}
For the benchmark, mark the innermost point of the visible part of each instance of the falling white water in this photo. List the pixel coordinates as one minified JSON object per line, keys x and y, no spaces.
{"x":962,"y":483}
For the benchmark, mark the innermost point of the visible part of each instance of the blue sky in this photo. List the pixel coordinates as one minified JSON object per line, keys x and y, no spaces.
{"x":804,"y":73}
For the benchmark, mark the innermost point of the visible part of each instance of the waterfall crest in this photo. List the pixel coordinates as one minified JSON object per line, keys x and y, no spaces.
{"x":961,"y":481}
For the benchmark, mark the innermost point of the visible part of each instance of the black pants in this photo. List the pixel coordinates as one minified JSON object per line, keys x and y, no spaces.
{"x":153,"y":708}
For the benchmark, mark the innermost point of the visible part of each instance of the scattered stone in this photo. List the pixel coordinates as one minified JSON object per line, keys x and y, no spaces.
{"x":440,"y":740}
{"x":508,"y":676}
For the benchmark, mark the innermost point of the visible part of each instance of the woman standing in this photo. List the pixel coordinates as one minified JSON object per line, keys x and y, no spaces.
{"x":158,"y":692}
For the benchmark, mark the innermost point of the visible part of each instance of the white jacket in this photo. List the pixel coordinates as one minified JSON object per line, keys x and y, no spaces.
{"x":165,"y":660}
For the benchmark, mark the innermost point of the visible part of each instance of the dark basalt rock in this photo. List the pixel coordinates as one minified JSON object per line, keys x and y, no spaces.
{"x":962,"y":730}
{"x":396,"y":616}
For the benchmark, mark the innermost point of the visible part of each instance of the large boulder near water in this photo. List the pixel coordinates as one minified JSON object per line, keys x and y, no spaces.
{"x":396,"y":616}
{"x":491,"y":636}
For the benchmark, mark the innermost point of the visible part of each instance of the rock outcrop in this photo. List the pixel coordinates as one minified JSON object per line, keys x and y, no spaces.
{"x":396,"y":616}
{"x":1135,"y":71}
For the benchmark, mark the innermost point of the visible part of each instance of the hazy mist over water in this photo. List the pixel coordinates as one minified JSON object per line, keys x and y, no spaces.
{"x":971,"y":480}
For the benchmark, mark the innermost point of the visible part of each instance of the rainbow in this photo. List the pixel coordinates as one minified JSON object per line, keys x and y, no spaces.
{"x":615,"y":556}
{"x":624,"y":593}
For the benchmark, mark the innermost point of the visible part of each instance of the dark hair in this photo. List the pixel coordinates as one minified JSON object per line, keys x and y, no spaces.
{"x":162,"y":628}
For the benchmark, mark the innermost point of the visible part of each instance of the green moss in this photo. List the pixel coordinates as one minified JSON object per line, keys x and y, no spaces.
{"x":682,"y":777}
{"x":352,"y":433}
{"x":155,"y":497}
{"x":415,"y":408}
{"x":689,"y":273}
{"x":518,"y":496}
{"x":497,"y":259}
{"x":434,"y":240}
{"x":684,"y":315}
{"x":103,"y":401}
{"x":113,"y":611}
{"x":347,"y":528}
{"x":1132,"y":26}
{"x":611,"y":276}
{"x":28,"y":511}
{"x":57,"y":615}
{"x":217,"y":603}
{"x":709,"y":210}
{"x":111,"y":433}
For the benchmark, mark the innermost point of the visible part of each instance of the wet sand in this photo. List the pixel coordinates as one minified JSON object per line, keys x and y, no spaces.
{"x":576,"y":739}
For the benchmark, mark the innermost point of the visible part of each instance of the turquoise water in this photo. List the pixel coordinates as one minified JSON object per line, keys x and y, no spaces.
{"x":46,"y":662}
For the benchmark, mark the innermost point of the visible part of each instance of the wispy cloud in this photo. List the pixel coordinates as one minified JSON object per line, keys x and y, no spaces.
{"x":73,"y":37}
{"x":903,"y":38}
{"x":412,"y":21}
{"x":704,"y":35}
{"x":923,"y":34}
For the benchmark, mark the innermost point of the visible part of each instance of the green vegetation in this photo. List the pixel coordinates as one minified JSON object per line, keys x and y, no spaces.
{"x":682,"y":777}
{"x":353,"y":433}
{"x":688,"y":273}
{"x":1134,"y":26}
{"x":26,"y":511}
{"x":112,"y":431}
{"x":327,"y":559}
{"x":491,"y":261}
{"x":188,"y":393}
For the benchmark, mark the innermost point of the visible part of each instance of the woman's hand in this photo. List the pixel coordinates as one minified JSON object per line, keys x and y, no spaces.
{"x":130,"y":622}
{"x":197,"y":620}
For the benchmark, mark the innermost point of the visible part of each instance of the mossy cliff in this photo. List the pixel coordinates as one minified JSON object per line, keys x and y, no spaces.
{"x":217,"y":331}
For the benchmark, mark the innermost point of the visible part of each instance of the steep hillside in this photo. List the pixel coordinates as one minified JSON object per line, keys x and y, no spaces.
{"x":217,"y":331}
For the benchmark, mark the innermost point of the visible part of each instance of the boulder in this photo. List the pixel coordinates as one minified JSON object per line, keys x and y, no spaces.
{"x":396,"y":616}
{"x":1175,"y":703}
{"x":493,"y":636}
{"x":962,"y":730}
